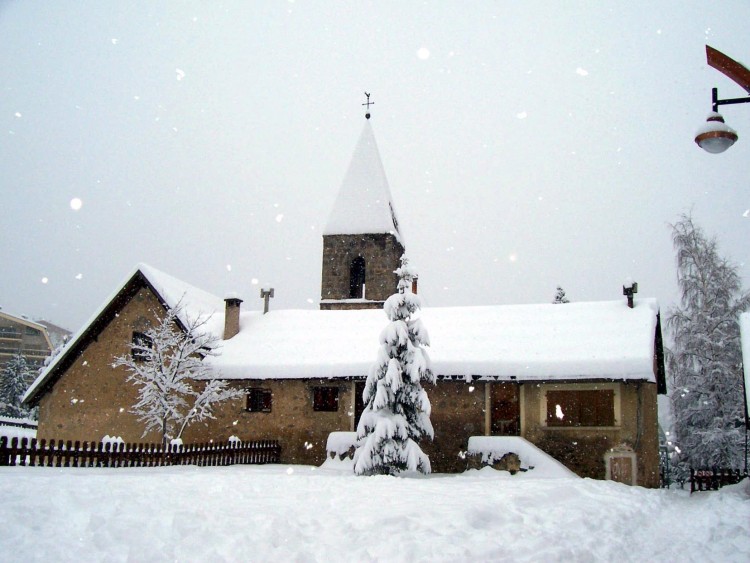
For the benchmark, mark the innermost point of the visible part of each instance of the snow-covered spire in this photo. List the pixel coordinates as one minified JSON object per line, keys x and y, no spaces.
{"x":364,"y":204}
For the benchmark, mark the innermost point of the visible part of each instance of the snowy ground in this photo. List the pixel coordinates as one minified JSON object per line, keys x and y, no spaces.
{"x":300,"y":513}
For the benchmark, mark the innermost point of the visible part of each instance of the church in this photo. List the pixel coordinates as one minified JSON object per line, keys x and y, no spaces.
{"x":577,"y":380}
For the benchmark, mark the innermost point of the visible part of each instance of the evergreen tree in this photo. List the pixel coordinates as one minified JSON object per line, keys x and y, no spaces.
{"x":560,"y":296}
{"x":166,"y":365}
{"x":397,"y":409}
{"x":15,"y":379}
{"x":706,"y":360}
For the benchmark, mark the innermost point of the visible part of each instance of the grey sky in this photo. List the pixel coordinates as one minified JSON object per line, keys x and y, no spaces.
{"x":526,"y":144}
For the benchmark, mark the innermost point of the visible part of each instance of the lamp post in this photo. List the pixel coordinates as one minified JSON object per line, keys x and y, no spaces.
{"x":716,"y":136}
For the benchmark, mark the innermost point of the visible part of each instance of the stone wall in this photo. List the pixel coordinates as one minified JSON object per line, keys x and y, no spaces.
{"x":92,"y":399}
{"x":381,"y":253}
{"x":457,"y":413}
{"x":301,"y":431}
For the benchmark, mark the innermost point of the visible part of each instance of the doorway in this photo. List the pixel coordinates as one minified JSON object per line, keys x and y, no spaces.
{"x":505,"y":409}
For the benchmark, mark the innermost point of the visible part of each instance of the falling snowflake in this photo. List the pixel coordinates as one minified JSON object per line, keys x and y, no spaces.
{"x":581,"y":72}
{"x":76,"y":204}
{"x":423,"y":53}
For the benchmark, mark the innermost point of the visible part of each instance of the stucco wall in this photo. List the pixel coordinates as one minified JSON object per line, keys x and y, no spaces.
{"x":582,"y":449}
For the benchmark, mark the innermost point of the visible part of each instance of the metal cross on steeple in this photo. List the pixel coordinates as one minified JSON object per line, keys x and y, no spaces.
{"x":368,"y":104}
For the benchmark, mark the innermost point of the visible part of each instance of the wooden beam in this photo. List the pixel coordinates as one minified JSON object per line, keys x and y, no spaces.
{"x":729,"y":67}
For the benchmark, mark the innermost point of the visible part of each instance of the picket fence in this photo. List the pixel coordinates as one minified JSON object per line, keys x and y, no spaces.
{"x":713,"y":479}
{"x":59,"y":453}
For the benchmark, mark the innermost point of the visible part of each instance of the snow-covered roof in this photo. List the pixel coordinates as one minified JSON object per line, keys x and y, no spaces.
{"x":364,"y":204}
{"x":745,"y":339}
{"x":170,"y":290}
{"x":596,"y":340}
{"x":24,"y":320}
{"x":194,"y":302}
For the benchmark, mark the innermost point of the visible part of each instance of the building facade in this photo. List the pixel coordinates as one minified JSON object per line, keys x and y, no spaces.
{"x":578,"y":380}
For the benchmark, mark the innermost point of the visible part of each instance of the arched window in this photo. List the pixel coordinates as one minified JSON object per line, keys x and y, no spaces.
{"x":357,"y":278}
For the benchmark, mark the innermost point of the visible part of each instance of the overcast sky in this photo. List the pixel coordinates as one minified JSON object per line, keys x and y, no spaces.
{"x":526,"y":144}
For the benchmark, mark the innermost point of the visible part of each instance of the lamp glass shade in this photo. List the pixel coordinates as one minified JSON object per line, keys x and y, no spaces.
{"x":715,"y":136}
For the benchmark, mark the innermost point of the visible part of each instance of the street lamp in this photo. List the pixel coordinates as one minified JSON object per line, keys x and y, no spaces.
{"x":716,"y":136}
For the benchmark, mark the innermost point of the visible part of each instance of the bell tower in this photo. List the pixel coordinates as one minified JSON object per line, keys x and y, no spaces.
{"x":361,"y":241}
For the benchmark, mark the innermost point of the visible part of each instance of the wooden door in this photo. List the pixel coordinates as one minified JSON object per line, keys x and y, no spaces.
{"x":505,"y":409}
{"x":359,"y":404}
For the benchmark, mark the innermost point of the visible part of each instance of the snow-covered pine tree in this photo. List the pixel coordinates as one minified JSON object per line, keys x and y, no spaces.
{"x":175,"y":386}
{"x":706,"y":360}
{"x":397,"y":410}
{"x":560,"y":296}
{"x":14,"y":380}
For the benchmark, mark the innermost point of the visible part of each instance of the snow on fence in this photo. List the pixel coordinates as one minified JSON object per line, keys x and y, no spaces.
{"x":713,"y":479}
{"x":18,"y":422}
{"x":30,"y":452}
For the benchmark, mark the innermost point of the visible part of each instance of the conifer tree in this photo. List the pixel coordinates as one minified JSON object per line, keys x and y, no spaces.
{"x":14,"y":380}
{"x":560,"y":296}
{"x":397,"y":410}
{"x":706,"y":360}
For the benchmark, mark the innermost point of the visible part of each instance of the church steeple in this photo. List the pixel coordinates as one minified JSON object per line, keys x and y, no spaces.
{"x":361,"y":241}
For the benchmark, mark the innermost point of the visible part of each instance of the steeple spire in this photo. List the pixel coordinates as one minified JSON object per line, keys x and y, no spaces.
{"x":364,"y":204}
{"x":361,"y":241}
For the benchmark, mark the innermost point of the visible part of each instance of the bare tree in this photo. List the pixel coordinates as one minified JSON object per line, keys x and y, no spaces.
{"x":175,"y":386}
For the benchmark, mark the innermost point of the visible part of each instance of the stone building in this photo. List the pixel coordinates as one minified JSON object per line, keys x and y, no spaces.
{"x":580,"y":380}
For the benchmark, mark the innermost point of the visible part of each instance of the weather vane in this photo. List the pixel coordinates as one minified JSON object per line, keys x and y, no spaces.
{"x":368,"y":104}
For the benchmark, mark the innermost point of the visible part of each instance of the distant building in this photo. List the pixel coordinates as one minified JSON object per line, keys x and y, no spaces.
{"x":18,"y":334}
{"x":57,"y":334}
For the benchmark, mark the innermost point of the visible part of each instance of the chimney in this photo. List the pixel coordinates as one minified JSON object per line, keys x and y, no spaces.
{"x":629,"y":289}
{"x":265,"y":295}
{"x":232,"y":317}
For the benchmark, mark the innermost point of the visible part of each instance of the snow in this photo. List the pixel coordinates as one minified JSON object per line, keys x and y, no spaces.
{"x":364,"y":204}
{"x":195,"y":303}
{"x":493,"y":448}
{"x":745,"y":339}
{"x":523,"y":342}
{"x":339,"y":443}
{"x":301,"y":513}
{"x":16,"y":432}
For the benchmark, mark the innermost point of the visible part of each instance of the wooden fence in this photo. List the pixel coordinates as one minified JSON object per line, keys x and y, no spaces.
{"x":713,"y":479}
{"x":30,"y":452}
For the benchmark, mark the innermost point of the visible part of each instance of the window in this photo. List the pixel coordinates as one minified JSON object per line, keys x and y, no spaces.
{"x":326,"y":398}
{"x":570,"y":408}
{"x":258,"y":400}
{"x":141,"y":345}
{"x":357,"y":278}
